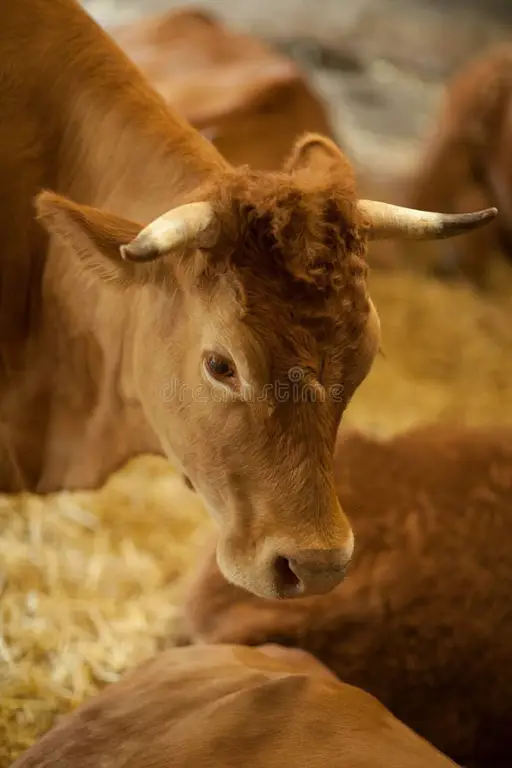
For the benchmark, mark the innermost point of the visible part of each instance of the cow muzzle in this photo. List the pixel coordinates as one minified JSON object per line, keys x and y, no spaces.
{"x":285,"y":567}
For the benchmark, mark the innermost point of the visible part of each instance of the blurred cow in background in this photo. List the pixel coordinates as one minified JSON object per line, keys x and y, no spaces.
{"x":251,"y":101}
{"x":423,"y":620}
{"x":231,"y":705}
{"x":468,"y":163}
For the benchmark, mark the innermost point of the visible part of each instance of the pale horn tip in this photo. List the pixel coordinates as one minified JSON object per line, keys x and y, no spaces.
{"x":138,"y":250}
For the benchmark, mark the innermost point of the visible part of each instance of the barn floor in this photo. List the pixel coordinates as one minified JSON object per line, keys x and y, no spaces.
{"x":88,"y":589}
{"x":89,"y":582}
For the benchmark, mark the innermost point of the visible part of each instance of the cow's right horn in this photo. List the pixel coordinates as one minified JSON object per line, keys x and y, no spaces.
{"x":174,"y":229}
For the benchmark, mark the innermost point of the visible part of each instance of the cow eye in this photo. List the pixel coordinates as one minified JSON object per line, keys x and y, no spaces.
{"x":219,"y":367}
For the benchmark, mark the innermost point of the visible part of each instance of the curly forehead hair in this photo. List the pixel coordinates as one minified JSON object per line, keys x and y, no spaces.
{"x":295,"y":238}
{"x":293,"y":244}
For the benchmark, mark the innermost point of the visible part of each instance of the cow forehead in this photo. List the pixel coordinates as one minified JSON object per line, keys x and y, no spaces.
{"x":276,"y":345}
{"x":270,"y":222}
{"x":278,"y":327}
{"x":269,"y":343}
{"x":292,"y":250}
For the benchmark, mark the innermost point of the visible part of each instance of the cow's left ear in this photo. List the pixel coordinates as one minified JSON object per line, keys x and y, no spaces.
{"x":95,"y":235}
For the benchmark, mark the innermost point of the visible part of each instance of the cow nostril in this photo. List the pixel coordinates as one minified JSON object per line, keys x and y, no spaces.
{"x":288,"y":581}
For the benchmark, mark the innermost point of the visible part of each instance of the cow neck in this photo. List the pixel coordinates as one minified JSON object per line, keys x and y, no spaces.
{"x":98,"y":133}
{"x":120,"y":147}
{"x":122,"y":150}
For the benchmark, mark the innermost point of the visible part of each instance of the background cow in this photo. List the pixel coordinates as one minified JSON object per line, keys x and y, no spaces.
{"x":468,"y":162}
{"x":423,"y":618}
{"x":232,"y":705}
{"x":252,"y":101}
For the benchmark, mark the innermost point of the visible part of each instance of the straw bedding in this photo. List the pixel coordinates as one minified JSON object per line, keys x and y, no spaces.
{"x":89,"y":582}
{"x":88,"y":590}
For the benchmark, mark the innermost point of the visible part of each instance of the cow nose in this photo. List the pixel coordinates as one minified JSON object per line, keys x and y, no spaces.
{"x":310,"y":572}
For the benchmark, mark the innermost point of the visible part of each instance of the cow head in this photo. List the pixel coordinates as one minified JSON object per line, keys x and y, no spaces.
{"x":251,"y":328}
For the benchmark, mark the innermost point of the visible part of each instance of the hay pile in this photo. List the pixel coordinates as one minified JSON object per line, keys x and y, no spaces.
{"x":448,"y":355}
{"x":88,"y":590}
{"x":90,"y":581}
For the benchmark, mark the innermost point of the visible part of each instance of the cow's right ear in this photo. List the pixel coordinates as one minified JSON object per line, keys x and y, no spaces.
{"x":96,"y":236}
{"x":318,"y":154}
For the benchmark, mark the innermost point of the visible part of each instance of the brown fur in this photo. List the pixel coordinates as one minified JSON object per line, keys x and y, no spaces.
{"x":422,"y":620}
{"x":231,"y":705}
{"x":467,"y":164}
{"x":295,"y":245}
{"x":101,"y":359}
{"x":261,"y":102}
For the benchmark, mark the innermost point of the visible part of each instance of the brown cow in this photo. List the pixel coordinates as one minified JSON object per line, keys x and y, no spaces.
{"x":231,"y":706}
{"x":468,"y":162}
{"x":423,"y":620}
{"x":166,"y":301}
{"x":252,"y":101}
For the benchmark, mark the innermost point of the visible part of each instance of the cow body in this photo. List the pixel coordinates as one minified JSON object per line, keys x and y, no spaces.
{"x":250,"y":100}
{"x":236,"y":706}
{"x":422,"y":620}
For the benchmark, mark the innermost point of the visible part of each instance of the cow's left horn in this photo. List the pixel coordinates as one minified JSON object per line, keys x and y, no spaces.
{"x":173,"y":229}
{"x":383,"y":221}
